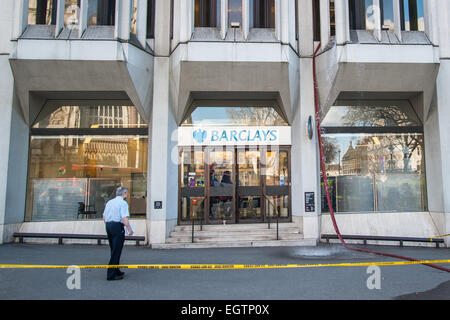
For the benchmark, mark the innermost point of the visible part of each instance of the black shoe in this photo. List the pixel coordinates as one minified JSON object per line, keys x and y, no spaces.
{"x":120,"y":273}
{"x":117,"y":277}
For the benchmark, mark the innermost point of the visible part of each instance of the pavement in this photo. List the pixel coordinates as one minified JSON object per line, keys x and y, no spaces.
{"x":405,"y":282}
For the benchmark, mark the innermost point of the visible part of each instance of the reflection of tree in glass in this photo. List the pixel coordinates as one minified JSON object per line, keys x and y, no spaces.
{"x":368,"y":116}
{"x":391,"y":116}
{"x":253,"y":116}
{"x":330,"y":150}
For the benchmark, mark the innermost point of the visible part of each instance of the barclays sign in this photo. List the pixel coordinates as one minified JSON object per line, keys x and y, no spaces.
{"x":188,"y":136}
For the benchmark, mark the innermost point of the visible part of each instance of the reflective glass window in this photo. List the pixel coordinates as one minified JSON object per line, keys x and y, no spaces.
{"x":234,"y":12}
{"x":42,"y":11}
{"x":245,"y":116}
{"x":207,"y":13}
{"x":364,"y":113}
{"x":72,"y":12}
{"x":72,"y":177}
{"x":101,"y":12}
{"x":89,"y":115}
{"x":412,"y":14}
{"x":378,"y":171}
{"x":387,"y":14}
{"x":262,"y":14}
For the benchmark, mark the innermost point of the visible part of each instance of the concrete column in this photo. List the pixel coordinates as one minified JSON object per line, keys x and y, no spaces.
{"x":83,"y":17}
{"x":245,"y":18}
{"x":397,"y":20}
{"x":13,"y":130}
{"x":430,"y":20}
{"x":284,"y":22}
{"x":223,"y":18}
{"x":342,"y":23}
{"x":163,"y":181}
{"x":443,"y":15}
{"x":304,"y":159}
{"x":377,"y":17}
{"x":305,"y":32}
{"x":141,"y":22}
{"x":162,"y":27}
{"x":59,"y":17}
{"x":324,"y":22}
{"x":123,"y":19}
{"x":443,"y":101}
{"x":20,"y":15}
{"x":278,"y":19}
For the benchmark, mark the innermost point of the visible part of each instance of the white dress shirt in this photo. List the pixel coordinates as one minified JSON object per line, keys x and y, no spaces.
{"x":115,"y":210}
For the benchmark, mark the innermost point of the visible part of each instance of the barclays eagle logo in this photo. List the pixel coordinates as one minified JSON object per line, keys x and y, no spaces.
{"x":199,"y":135}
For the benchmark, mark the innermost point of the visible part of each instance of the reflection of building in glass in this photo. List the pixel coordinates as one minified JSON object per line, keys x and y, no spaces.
{"x":355,"y":159}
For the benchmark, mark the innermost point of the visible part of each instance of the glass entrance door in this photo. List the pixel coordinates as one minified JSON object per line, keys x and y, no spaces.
{"x":277,"y":183}
{"x":234,"y":185}
{"x":192,"y":184}
{"x":221,"y":185}
{"x":249,"y":186}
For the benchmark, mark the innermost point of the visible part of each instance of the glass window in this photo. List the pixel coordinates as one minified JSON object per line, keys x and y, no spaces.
{"x":361,"y":15}
{"x":374,"y":171}
{"x":234,"y":12}
{"x":193,"y":174}
{"x":207,"y":13}
{"x":358,"y":113}
{"x":332,"y":19}
{"x":249,"y":168}
{"x":72,"y":177}
{"x":245,"y":116}
{"x":316,"y":19}
{"x":277,"y":170}
{"x":54,"y":116}
{"x":412,"y":14}
{"x":101,"y":12}
{"x":133,"y":17}
{"x":387,"y":14}
{"x":262,"y":14}
{"x":150,"y":19}
{"x":42,"y":11}
{"x":72,"y":12}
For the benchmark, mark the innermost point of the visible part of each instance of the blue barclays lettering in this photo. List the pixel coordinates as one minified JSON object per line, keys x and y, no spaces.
{"x":224,"y":135}
{"x":214,"y":135}
{"x":240,"y":135}
{"x":257,"y":135}
{"x":233,"y":135}
{"x":273,"y":134}
{"x":265,"y":134}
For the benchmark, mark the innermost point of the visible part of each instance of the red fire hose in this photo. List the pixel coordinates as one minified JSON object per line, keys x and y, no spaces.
{"x":325,"y":180}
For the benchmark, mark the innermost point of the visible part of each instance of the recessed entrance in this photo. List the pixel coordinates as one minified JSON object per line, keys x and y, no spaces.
{"x":234,"y":184}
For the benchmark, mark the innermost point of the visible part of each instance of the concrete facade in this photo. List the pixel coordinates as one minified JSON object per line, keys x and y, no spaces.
{"x":182,"y":64}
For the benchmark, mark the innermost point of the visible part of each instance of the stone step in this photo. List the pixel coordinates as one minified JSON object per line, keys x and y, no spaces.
{"x":237,"y":233}
{"x":234,"y":238}
{"x":236,"y":227}
{"x":234,"y":244}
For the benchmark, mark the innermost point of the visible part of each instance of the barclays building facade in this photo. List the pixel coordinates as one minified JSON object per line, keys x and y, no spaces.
{"x":206,"y":111}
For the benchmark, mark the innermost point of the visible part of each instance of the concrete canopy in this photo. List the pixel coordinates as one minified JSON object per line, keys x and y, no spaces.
{"x":251,"y":81}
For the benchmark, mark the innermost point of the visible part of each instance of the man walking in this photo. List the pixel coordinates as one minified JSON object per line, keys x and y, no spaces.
{"x":116,"y":216}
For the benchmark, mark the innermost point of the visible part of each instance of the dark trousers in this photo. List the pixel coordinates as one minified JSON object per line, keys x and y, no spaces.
{"x":116,"y":238}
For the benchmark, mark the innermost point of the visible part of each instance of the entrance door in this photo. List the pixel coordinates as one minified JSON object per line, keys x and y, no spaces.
{"x":236,"y":185}
{"x":276,"y":183}
{"x":220,"y":188}
{"x":192,"y":184}
{"x":250,"y":206}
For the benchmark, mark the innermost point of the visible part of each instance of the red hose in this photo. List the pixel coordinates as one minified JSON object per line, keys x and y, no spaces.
{"x":325,"y":180}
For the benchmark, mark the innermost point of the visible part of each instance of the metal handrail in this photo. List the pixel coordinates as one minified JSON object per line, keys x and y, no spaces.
{"x":193,"y":226}
{"x":278,"y":216}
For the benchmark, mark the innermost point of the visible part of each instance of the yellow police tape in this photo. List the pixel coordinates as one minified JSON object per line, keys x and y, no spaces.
{"x":222,"y":266}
